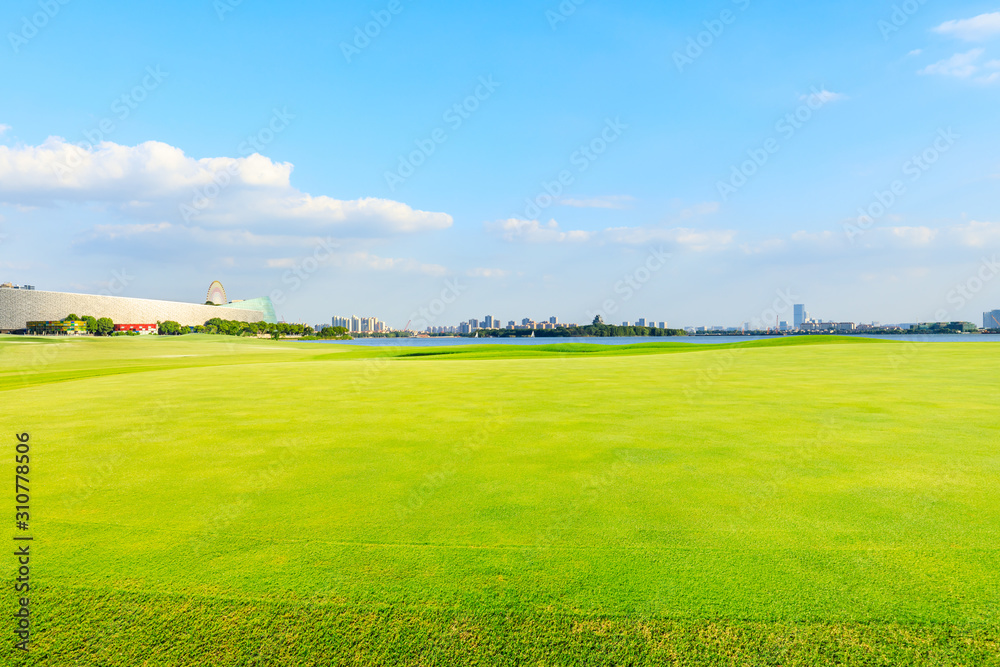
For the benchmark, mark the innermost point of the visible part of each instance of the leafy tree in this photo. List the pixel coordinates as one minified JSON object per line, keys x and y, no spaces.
{"x":91,"y":324}
{"x":71,"y":317}
{"x":333,"y":332}
{"x":170,"y":328}
{"x":104,"y":326}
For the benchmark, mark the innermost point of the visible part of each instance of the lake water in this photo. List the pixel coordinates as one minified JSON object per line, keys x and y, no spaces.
{"x":629,"y":340}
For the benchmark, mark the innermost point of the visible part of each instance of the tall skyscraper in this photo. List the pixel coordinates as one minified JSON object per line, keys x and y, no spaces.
{"x":800,"y":315}
{"x":991,"y":320}
{"x":553,"y":320}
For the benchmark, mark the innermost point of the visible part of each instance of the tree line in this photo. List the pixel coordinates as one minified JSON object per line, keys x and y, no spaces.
{"x":104,"y":326}
{"x":598,"y":330}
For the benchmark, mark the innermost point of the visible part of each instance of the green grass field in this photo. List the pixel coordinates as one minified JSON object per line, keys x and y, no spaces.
{"x":213,"y":501}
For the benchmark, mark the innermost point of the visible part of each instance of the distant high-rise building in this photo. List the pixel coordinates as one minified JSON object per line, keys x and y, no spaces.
{"x":663,"y":325}
{"x":801,"y":316}
{"x":511,"y":324}
{"x":553,"y":320}
{"x":488,"y":322}
{"x":991,"y":320}
{"x":473,"y":325}
{"x":641,"y":322}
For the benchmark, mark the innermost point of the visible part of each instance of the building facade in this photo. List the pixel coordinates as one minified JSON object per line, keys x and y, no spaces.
{"x":138,"y":328}
{"x":991,"y":320}
{"x":57,"y":328}
{"x":20,"y":306}
{"x":800,"y":315}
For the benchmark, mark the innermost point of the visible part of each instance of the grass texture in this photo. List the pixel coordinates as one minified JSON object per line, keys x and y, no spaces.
{"x":805,"y":501}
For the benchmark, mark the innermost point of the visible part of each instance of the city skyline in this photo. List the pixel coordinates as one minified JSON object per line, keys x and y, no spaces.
{"x":801,"y":320}
{"x":659,"y":160}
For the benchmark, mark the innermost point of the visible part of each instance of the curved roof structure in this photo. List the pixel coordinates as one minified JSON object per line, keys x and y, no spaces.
{"x":217,"y":294}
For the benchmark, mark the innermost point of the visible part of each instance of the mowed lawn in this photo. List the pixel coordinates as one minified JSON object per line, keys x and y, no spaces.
{"x":202,"y":500}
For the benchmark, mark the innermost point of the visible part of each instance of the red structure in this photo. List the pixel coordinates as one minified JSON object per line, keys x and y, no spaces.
{"x":141,"y":328}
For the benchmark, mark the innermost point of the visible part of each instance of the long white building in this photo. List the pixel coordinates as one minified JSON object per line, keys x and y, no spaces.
{"x":20,"y":306}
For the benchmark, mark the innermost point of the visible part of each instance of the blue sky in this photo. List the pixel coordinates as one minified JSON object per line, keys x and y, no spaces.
{"x":745,"y":140}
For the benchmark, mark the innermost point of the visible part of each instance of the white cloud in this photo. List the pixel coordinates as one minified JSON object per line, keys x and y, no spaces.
{"x":610,"y":202}
{"x":367,"y":260}
{"x":4,"y":129}
{"x":824,"y":237}
{"x":821,"y":97}
{"x":914,"y":53}
{"x":914,"y":236}
{"x":487,"y":273}
{"x":113,"y":232}
{"x":977,"y":234}
{"x":706,"y":208}
{"x":532,"y":231}
{"x":763,"y":247}
{"x":961,"y":65}
{"x":692,"y":239}
{"x":156,"y":181}
{"x":976,"y":29}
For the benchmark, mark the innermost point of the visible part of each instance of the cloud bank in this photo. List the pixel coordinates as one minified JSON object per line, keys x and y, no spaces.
{"x":156,"y":182}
